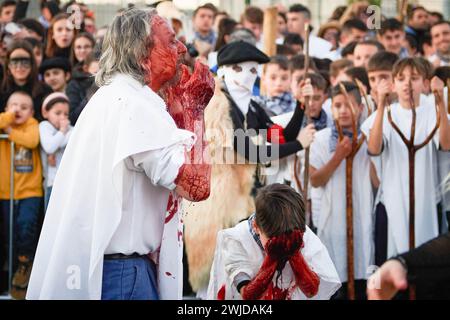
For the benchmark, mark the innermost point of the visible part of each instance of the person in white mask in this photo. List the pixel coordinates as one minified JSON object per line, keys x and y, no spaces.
{"x":234,"y":124}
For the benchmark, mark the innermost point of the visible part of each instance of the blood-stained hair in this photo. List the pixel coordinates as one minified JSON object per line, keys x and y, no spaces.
{"x":126,"y":45}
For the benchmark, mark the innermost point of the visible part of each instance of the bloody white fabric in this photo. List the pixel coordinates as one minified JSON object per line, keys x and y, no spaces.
{"x":92,"y":191}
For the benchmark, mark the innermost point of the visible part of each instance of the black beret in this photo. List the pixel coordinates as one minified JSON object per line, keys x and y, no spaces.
{"x":55,"y":63}
{"x":240,"y":51}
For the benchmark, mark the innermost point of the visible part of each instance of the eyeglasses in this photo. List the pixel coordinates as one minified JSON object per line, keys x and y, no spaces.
{"x":24,"y":62}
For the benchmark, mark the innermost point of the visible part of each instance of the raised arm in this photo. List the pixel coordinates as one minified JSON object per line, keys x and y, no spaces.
{"x":375,"y":143}
{"x":187,"y":102}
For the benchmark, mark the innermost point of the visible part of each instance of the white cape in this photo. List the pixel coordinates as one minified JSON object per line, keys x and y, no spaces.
{"x":314,"y":252}
{"x":122,"y":119}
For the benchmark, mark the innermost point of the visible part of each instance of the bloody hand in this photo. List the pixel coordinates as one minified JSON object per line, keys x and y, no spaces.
{"x":198,"y":90}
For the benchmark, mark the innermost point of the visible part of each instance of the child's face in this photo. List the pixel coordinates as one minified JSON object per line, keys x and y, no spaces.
{"x":56,"y":78}
{"x":93,"y":67}
{"x":296,"y":77}
{"x":342,"y":112}
{"x":401,"y":85}
{"x":316,"y":102}
{"x":58,"y":112}
{"x":362,"y":54}
{"x":374,"y":80}
{"x":264,"y":239}
{"x":62,"y":33}
{"x":276,"y":80}
{"x":82,"y":48}
{"x":22,"y":106}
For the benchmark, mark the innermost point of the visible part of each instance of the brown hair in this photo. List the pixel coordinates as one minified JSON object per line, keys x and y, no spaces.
{"x":51,"y":45}
{"x":382,"y":61}
{"x":85,"y":35}
{"x":253,"y":15}
{"x":338,"y":65}
{"x":413,"y":63}
{"x":279,"y":209}
{"x":8,"y":80}
{"x":206,"y":6}
{"x":298,"y":63}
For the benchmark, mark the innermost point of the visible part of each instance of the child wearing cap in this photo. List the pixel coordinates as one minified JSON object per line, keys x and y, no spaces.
{"x":17,"y":121}
{"x":56,"y":73}
{"x":54,"y":132}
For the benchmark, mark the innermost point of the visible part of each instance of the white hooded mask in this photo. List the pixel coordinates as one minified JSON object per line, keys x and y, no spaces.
{"x":240,"y":83}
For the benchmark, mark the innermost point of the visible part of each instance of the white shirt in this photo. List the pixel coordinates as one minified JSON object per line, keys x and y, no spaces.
{"x":140,"y":231}
{"x":238,"y":253}
{"x":53,"y":142}
{"x":394,"y":167}
{"x":332,"y":227}
{"x":319,"y":47}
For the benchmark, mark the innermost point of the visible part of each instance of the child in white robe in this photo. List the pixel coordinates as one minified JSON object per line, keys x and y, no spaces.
{"x":328,"y":173}
{"x":273,"y":255}
{"x":384,"y":141}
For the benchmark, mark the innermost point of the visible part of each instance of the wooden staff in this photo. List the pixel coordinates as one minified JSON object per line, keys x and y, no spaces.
{"x":297,"y":164}
{"x":356,"y":145}
{"x":412,"y":149}
{"x":448,"y":95}
{"x":308,"y":121}
{"x":269,"y":36}
{"x":403,"y":10}
{"x":364,"y":94}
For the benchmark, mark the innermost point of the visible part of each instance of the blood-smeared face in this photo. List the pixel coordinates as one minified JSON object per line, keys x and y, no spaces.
{"x":165,"y":56}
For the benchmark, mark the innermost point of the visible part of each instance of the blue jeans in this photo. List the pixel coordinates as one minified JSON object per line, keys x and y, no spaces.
{"x":129,"y":279}
{"x":26,"y":220}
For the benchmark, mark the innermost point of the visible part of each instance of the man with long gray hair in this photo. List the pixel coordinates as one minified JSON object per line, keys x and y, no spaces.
{"x":113,"y":228}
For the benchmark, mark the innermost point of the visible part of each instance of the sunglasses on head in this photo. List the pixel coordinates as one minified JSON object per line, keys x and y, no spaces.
{"x":26,"y":62}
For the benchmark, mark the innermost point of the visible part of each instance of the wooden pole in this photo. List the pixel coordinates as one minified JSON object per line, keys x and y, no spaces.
{"x":402,"y":6}
{"x":356,"y":145}
{"x":269,"y":36}
{"x":412,"y":149}
{"x":308,"y":121}
{"x":364,"y":94}
{"x":448,"y":95}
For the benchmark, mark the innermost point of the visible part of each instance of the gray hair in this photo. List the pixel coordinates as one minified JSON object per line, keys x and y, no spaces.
{"x":126,"y":45}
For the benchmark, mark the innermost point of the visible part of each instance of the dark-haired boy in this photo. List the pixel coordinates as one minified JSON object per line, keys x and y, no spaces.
{"x":273,"y":255}
{"x":328,"y":173}
{"x":385,"y":142}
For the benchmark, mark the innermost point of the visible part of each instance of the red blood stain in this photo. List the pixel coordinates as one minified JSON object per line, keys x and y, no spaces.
{"x":275,"y":134}
{"x":221,"y":293}
{"x":172,"y":207}
{"x":186,"y":97}
{"x":281,"y":249}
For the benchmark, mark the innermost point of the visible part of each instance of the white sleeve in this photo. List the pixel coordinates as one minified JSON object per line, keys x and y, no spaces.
{"x":50,"y":140}
{"x":315,"y":158}
{"x":162,"y":165}
{"x":236,"y":261}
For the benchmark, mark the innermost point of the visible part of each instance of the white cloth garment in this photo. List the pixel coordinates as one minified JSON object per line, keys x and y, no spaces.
{"x":53,"y":142}
{"x":331,"y":223}
{"x":237,"y":252}
{"x":319,"y":47}
{"x":240,"y":83}
{"x":95,"y":190}
{"x":393,"y":169}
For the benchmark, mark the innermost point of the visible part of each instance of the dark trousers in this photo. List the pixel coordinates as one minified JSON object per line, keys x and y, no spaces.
{"x":381,"y":234}
{"x":26,"y":225}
